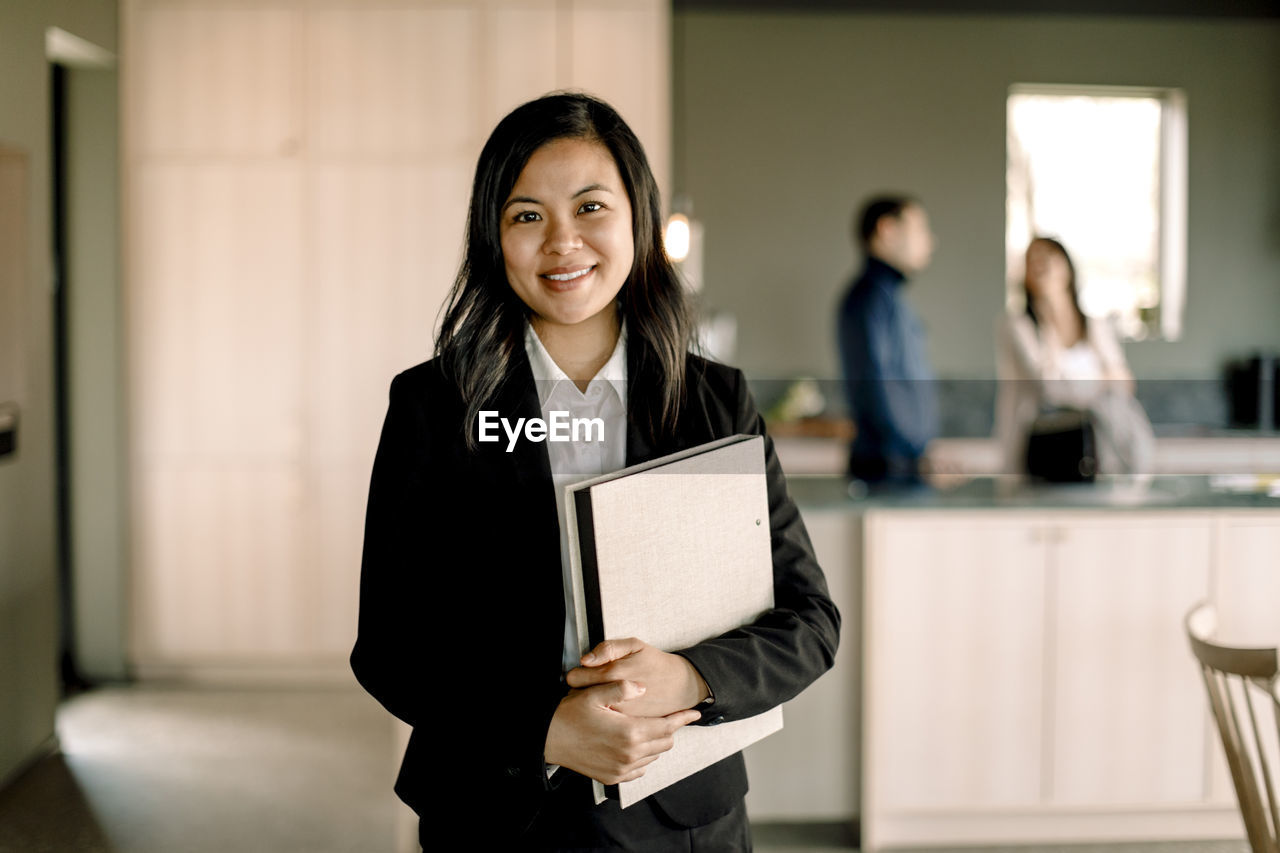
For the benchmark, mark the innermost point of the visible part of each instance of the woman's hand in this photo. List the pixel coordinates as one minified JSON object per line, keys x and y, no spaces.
{"x":670,"y":682}
{"x":590,"y":736}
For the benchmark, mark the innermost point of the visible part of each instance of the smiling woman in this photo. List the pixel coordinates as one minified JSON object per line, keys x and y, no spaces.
{"x":565,"y":302}
{"x":567,"y":248}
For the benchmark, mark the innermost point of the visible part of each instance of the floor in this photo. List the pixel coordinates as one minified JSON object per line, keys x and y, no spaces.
{"x":155,"y":770}
{"x":180,"y":770}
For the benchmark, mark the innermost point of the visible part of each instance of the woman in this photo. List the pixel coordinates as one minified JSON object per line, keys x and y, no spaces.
{"x":565,"y":300}
{"x":1054,"y":356}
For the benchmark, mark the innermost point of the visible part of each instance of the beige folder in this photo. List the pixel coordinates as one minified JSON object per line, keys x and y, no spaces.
{"x":675,"y":551}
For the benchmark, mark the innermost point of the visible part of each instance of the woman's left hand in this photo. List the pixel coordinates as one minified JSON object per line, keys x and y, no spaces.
{"x":671,"y":682}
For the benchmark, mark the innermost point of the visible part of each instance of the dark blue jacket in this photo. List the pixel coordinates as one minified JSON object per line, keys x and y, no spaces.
{"x":888,"y":379}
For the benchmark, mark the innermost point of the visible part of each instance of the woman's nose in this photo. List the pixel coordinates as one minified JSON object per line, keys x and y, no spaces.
{"x":562,"y":236}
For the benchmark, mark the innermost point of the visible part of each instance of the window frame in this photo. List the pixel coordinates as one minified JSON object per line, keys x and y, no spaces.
{"x":1171,"y":254}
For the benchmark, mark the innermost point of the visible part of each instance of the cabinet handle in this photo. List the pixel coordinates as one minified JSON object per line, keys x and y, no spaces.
{"x":1050,"y":534}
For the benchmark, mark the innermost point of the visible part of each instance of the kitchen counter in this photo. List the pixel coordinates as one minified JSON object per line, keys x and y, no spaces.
{"x":1231,"y":452}
{"x":1010,"y":493}
{"x":1013,"y":667}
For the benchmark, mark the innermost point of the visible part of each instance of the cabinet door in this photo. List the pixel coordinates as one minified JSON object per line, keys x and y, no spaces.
{"x":1247,"y":582}
{"x":954,"y":662}
{"x":1127,"y":708}
{"x":809,"y":770}
{"x":1246,"y":591}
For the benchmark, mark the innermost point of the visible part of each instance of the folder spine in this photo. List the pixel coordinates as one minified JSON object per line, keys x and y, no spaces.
{"x":590,"y":568}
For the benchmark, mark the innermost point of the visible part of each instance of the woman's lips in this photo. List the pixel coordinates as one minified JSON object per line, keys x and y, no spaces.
{"x":566,"y":278}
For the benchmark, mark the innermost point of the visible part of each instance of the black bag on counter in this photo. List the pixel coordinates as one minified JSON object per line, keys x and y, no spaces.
{"x":1062,"y":447}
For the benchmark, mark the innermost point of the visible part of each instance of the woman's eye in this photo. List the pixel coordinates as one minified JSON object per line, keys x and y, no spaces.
{"x":591,"y":207}
{"x":526,"y":216}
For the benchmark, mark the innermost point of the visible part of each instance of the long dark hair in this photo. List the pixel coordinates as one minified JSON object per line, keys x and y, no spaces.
{"x":483,"y":325}
{"x":1071,"y":282}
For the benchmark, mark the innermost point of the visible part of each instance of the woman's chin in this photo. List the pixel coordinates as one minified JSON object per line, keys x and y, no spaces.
{"x":579,"y":319}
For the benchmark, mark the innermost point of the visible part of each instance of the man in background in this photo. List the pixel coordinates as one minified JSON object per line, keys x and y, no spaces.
{"x":882,"y":349}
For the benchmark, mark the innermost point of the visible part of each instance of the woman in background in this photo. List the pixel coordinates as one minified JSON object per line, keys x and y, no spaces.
{"x":565,"y":300}
{"x":1054,"y":356}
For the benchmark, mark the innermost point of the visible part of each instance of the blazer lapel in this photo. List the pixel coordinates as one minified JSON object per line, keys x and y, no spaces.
{"x":692,"y":425}
{"x":522,"y":509}
{"x":639,"y":448}
{"x":522,"y":493}
{"x":527,"y":464}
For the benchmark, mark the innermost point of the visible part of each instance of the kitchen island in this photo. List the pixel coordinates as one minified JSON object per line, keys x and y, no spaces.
{"x":1013,"y":667}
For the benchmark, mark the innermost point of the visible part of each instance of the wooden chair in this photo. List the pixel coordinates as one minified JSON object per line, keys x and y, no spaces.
{"x":1235,"y":677}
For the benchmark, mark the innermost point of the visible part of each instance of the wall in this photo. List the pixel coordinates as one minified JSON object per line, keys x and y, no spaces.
{"x":99,"y":506}
{"x":296,"y":178}
{"x":28,"y":624}
{"x":785,"y":121}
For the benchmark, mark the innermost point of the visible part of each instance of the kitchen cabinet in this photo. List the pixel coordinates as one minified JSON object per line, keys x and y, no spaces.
{"x":1247,"y":577}
{"x":1127,"y":711}
{"x":809,"y":770}
{"x":1027,"y":678}
{"x":1013,"y":667}
{"x":953,"y":671}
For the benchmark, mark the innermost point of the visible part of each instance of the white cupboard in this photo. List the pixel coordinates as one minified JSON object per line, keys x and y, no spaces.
{"x":1019,"y":675}
{"x":1127,"y":710}
{"x":1026,"y":675}
{"x":955,"y":651}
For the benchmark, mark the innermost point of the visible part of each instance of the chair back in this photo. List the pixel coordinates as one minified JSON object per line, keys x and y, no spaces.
{"x":1242,"y":695}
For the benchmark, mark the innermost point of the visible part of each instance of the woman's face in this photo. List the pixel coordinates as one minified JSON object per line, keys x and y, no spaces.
{"x":1047,"y":270}
{"x":566,"y":234}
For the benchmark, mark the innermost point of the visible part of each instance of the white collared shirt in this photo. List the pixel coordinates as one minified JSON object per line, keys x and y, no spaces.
{"x":575,"y":461}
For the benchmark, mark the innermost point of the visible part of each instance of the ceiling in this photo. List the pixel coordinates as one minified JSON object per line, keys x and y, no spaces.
{"x":1145,"y":8}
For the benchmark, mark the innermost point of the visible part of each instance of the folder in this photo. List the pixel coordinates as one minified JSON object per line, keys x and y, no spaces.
{"x":675,"y":551}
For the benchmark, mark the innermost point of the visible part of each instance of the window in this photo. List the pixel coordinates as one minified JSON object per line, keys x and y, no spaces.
{"x":1103,"y":169}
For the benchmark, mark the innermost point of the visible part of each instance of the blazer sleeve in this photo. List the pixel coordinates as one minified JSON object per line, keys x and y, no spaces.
{"x":769,"y":661}
{"x":390,"y":641}
{"x":413,"y":623}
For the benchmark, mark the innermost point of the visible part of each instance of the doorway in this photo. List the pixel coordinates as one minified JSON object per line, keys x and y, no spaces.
{"x":90,"y":438}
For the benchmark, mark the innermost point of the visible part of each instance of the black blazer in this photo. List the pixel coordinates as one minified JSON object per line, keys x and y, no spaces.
{"x":462,"y":609}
